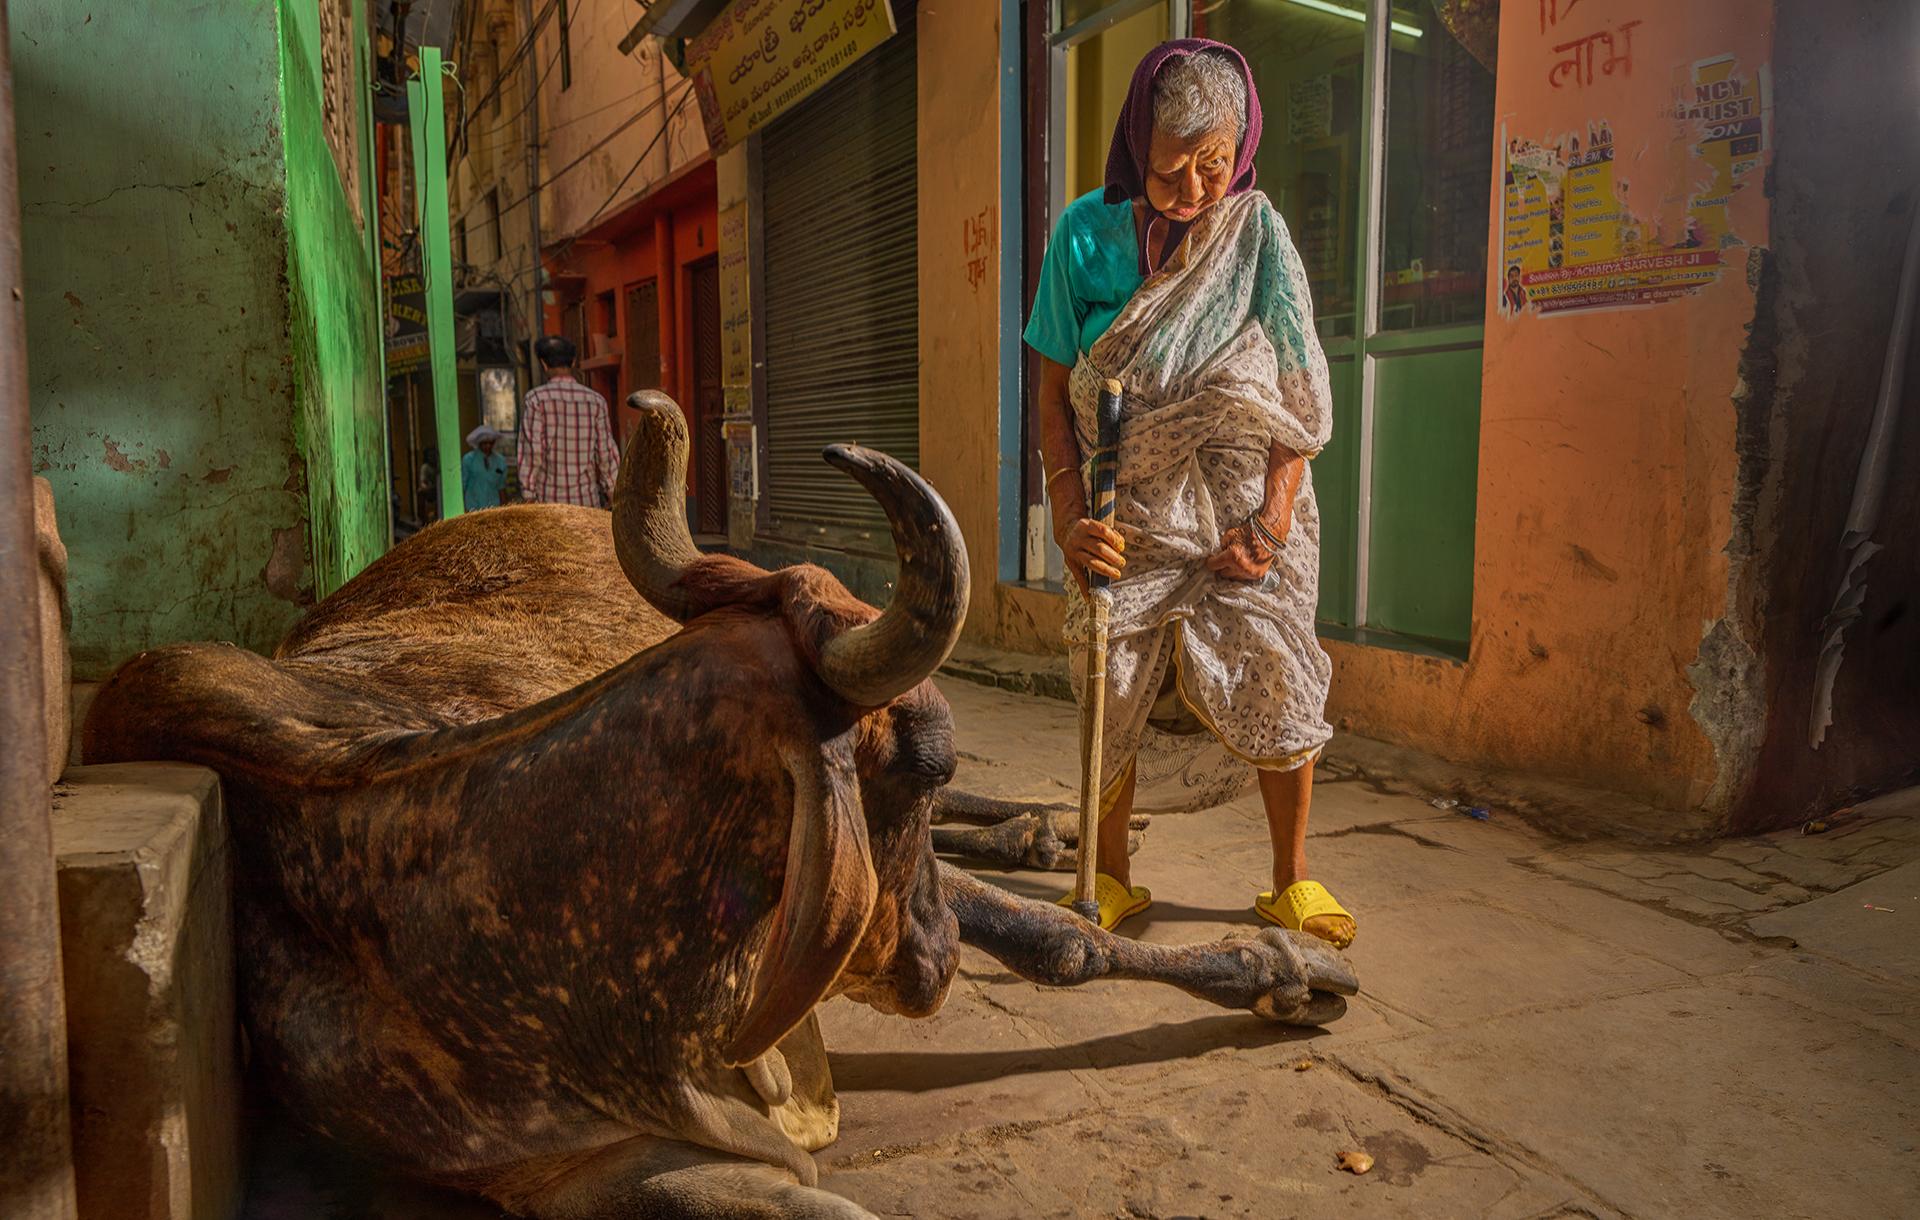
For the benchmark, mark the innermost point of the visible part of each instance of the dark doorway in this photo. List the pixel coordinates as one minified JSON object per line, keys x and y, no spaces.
{"x":643,"y":336}
{"x":709,"y":404}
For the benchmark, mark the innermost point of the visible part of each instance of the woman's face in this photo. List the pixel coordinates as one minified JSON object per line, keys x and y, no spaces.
{"x":1186,"y":177}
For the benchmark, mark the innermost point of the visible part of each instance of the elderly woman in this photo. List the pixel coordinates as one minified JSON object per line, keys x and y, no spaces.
{"x":483,"y":473}
{"x":1179,"y":279}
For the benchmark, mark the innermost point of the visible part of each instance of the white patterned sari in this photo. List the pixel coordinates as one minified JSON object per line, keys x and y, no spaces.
{"x":1219,"y":359}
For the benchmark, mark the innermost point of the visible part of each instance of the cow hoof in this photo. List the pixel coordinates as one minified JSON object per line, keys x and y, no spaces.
{"x":1312,"y":979}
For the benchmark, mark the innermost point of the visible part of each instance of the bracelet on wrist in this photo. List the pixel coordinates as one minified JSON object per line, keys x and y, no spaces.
{"x":1267,"y":537}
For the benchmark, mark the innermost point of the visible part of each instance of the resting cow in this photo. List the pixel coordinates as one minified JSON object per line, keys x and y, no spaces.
{"x":541,"y":872}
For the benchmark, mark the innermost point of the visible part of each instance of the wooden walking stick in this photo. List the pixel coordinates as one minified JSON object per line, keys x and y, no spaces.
{"x":1093,"y":708}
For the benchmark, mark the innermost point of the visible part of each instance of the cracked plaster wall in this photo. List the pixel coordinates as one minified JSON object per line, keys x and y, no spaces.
{"x":1607,"y":469}
{"x":1844,"y":186}
{"x":166,"y":306}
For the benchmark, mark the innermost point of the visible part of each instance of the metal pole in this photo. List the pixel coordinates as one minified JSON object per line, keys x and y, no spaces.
{"x":533,"y":319}
{"x":427,"y":119}
{"x":36,"y":1168}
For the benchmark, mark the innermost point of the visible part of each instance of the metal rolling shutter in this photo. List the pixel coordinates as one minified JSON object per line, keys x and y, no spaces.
{"x":840,"y":191}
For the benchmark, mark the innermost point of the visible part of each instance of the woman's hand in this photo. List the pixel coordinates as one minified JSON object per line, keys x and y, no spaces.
{"x":1241,"y":557}
{"x":1089,"y":545}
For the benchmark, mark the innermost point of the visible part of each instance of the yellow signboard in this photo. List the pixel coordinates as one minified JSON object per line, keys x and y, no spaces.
{"x":761,"y":56}
{"x":736,"y":311}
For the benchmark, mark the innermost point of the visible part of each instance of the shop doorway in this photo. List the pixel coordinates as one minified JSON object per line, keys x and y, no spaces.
{"x":838,"y":184}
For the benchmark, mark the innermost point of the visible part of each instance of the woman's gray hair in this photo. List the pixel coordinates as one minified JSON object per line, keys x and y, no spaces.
{"x":1198,"y":93}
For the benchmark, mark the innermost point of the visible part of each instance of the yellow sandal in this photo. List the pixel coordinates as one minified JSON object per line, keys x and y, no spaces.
{"x":1303,"y":901}
{"x":1117,"y":902}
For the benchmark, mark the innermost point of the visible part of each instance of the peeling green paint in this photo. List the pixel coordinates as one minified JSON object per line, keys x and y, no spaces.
{"x":334,"y":326}
{"x":202,"y":320}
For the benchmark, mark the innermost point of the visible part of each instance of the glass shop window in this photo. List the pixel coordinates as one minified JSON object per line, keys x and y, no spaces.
{"x":1307,"y":62}
{"x":1439,"y":167}
{"x":1098,"y":71}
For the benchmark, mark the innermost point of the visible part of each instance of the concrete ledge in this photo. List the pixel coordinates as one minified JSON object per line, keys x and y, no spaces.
{"x":147,"y":946}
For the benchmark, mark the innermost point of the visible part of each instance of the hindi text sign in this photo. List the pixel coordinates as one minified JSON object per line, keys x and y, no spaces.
{"x":761,"y":56}
{"x":736,"y":309}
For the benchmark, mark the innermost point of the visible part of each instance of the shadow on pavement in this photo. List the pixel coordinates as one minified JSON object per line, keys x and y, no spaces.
{"x":922,"y":1071}
{"x":1048,"y":889}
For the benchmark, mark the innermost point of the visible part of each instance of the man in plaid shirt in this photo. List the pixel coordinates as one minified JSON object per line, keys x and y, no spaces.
{"x":565,"y":449}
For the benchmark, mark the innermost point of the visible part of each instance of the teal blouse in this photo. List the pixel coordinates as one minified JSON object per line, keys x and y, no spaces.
{"x":1090,"y":271}
{"x":482,"y":479}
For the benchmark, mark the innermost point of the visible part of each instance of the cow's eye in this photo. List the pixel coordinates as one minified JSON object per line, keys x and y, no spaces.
{"x":930,"y":760}
{"x":922,"y":741}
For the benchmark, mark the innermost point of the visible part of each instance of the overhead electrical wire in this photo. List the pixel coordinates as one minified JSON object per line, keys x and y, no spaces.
{"x":629,"y":121}
{"x":513,"y":63}
{"x":512,"y":120}
{"x":665,"y":125}
{"x":519,"y":54}
{"x":552,"y":127}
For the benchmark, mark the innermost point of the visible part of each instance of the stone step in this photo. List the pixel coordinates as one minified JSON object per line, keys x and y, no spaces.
{"x":147,"y":950}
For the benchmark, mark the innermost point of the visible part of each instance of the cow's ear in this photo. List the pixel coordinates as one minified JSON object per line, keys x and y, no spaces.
{"x":826,"y":899}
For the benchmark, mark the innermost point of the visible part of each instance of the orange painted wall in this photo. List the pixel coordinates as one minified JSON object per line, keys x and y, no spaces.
{"x":1607,"y":453}
{"x":625,"y":251}
{"x":959,"y":55}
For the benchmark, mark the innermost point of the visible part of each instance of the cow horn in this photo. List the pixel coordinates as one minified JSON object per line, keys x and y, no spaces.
{"x":873,"y":665}
{"x":649,"y":505}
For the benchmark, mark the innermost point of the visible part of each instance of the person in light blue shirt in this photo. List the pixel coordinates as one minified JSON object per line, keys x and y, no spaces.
{"x":1090,"y":272}
{"x":483,"y":473}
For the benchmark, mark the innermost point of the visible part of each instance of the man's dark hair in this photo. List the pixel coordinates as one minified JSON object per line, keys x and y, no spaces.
{"x":555,"y":351}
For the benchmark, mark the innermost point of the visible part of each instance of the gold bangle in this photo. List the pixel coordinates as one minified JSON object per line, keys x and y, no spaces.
{"x":1064,"y":470}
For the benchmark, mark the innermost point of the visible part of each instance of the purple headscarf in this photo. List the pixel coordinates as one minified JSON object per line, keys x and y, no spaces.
{"x":1127,"y":156}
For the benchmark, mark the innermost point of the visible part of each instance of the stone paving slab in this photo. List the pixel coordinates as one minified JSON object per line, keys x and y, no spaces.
{"x":1847,"y":996}
{"x":1599,"y":1015}
{"x":1702,"y":1100}
{"x":1874,"y":925}
{"x":1495,"y":962}
{"x":1251,"y":1146}
{"x":974,"y":1063}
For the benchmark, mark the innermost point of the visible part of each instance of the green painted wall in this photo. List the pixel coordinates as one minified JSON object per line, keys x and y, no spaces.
{"x":338,"y":379}
{"x":205,"y":433}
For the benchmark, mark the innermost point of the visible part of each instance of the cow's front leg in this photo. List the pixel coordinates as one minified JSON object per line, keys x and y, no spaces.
{"x":1013,"y":834}
{"x":647,"y":1178}
{"x":1284,"y":976}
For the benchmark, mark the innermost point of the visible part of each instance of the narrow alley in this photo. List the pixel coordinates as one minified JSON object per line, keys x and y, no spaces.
{"x":959,"y":609}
